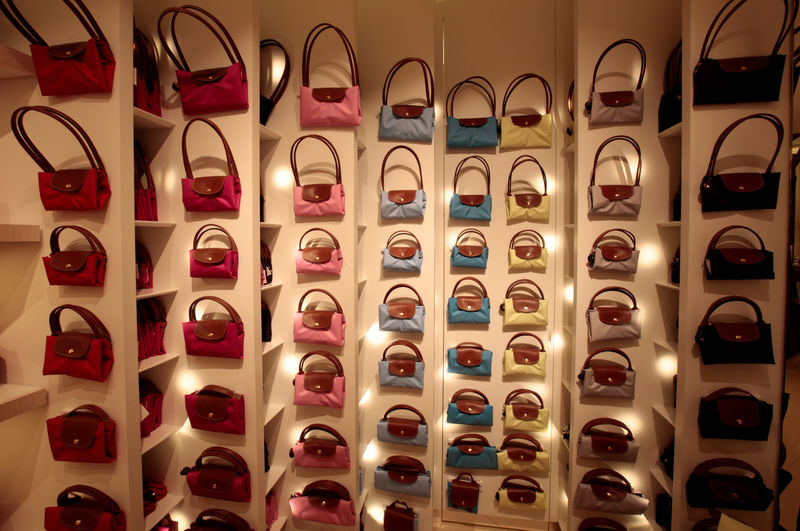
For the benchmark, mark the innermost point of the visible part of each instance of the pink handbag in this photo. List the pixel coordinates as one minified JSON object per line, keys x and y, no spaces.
{"x":324,"y":501}
{"x":321,"y":452}
{"x":323,"y":259}
{"x":216,"y":408}
{"x":226,"y":478}
{"x":216,"y":338}
{"x":213,"y":262}
{"x":216,"y":193}
{"x":319,"y":388}
{"x":319,"y":199}
{"x":329,"y":106}
{"x":319,"y":326}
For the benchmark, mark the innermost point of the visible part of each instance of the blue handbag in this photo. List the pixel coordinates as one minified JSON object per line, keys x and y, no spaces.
{"x":403,"y":257}
{"x":472,"y":132}
{"x":402,"y":371}
{"x":476,"y":412}
{"x":403,"y":431}
{"x":405,"y":475}
{"x":401,"y":316}
{"x":407,"y":122}
{"x":466,"y":309}
{"x":469,"y":255}
{"x":463,"y":493}
{"x":402,"y":204}
{"x":470,"y":359}
{"x":471,"y":450}
{"x":472,"y":206}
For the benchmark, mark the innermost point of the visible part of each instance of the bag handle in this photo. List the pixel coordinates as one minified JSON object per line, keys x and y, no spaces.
{"x":470,"y":344}
{"x":728,"y":391}
{"x":77,"y":7}
{"x":451,"y":96}
{"x":465,"y":477}
{"x":606,"y":421}
{"x":326,"y":429}
{"x":208,"y":227}
{"x":94,"y":242}
{"x":618,"y":289}
{"x":731,"y":298}
{"x":265,"y":253}
{"x":94,"y":322}
{"x":332,"y":488}
{"x":223,"y":453}
{"x":485,"y":166}
{"x":404,"y":343}
{"x":519,"y":392}
{"x":319,"y":290}
{"x":217,"y":390}
{"x":623,"y":138}
{"x":587,"y":363}
{"x":96,"y":410}
{"x":293,"y":157}
{"x":427,"y":75}
{"x":529,"y":233}
{"x":715,"y":239}
{"x":280,"y":87}
{"x":719,"y":21}
{"x":570,"y":100}
{"x":548,"y":93}
{"x":312,"y":37}
{"x":318,"y":229}
{"x":145,"y":59}
{"x":627,"y":233}
{"x":405,"y":407}
{"x":520,"y":161}
{"x":611,"y":46}
{"x":599,"y":472}
{"x":232,"y":519}
{"x":325,"y":354}
{"x":525,"y":334}
{"x":509,"y":441}
{"x":403,"y":233}
{"x":470,"y":437}
{"x":386,"y":157}
{"x":141,"y":168}
{"x":770,"y":118}
{"x":458,"y":394}
{"x":508,"y":479}
{"x":397,"y":286}
{"x":233,"y":314}
{"x":404,"y":462}
{"x":720,"y":462}
{"x":600,"y":521}
{"x":465,"y":232}
{"x":523,"y":282}
{"x":473,"y":279}
{"x":672,"y":73}
{"x":398,"y":504}
{"x":108,"y":504}
{"x":187,"y":166}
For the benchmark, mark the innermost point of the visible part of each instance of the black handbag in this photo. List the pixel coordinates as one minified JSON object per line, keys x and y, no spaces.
{"x":675,"y":267}
{"x":738,"y":263}
{"x":266,"y":323}
{"x":664,"y":510}
{"x":741,"y":190}
{"x":669,"y":108}
{"x":740,"y":79}
{"x":600,"y":523}
{"x":733,"y":413}
{"x":737,"y":342}
{"x":742,"y":491}
{"x":667,"y":459}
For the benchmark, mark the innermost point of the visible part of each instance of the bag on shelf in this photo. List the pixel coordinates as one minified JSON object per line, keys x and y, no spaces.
{"x":151,"y":325}
{"x":152,"y":493}
{"x":266,"y":264}
{"x":613,"y":322}
{"x":272,"y":503}
{"x":78,"y":354}
{"x":520,"y":452}
{"x":214,"y":193}
{"x":468,"y":309}
{"x":145,"y":205}
{"x":622,"y":106}
{"x":472,"y":132}
{"x":523,"y":201}
{"x":324,"y":501}
{"x":528,"y":360}
{"x":225,"y":478}
{"x":463,"y":492}
{"x":403,"y":474}
{"x":599,"y":523}
{"x":733,"y":413}
{"x":463,"y":255}
{"x":75,"y":267}
{"x":470,"y":359}
{"x":472,"y":206}
{"x":221,"y":89}
{"x":616,"y":199}
{"x":84,"y":435}
{"x":528,"y":496}
{"x":325,"y":327}
{"x":603,"y":489}
{"x":151,"y":399}
{"x":617,"y":256}
{"x":216,"y":408}
{"x":527,"y":130}
{"x":744,"y":490}
{"x":403,"y":257}
{"x":402,"y":204}
{"x":319,"y":256}
{"x":268,"y":103}
{"x":399,"y":516}
{"x":144,"y":267}
{"x":402,"y":316}
{"x":213,"y":262}
{"x":320,"y":388}
{"x":528,"y":310}
{"x":166,"y":524}
{"x":69,"y":189}
{"x":219,"y":520}
{"x":318,"y":199}
{"x":675,"y":267}
{"x":216,"y":338}
{"x":400,"y":370}
{"x":739,"y":262}
{"x":525,"y":416}
{"x":670,"y":107}
{"x":266,"y":323}
{"x":471,"y":450}
{"x":607,"y":445}
{"x":464,"y":409}
{"x":146,"y":83}
{"x":81,"y":505}
{"x":607,"y":380}
{"x":740,"y":341}
{"x":532,"y":257}
{"x":401,"y":430}
{"x":317,"y":452}
{"x":406,"y":121}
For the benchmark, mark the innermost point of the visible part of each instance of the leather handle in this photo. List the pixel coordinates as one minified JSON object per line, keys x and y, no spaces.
{"x":77,"y":7}
{"x":407,"y":286}
{"x":208,"y":227}
{"x":709,"y":464}
{"x":508,"y":441}
{"x":226,"y":454}
{"x":519,"y":161}
{"x":403,"y":233}
{"x":318,"y":229}
{"x":283,"y":82}
{"x":309,"y":44}
{"x":109,"y":505}
{"x":232,"y":519}
{"x":325,"y":354}
{"x":618,"y":289}
{"x":485,"y":167}
{"x":470,"y":436}
{"x":715,"y":239}
{"x":626,"y":232}
{"x":216,"y":389}
{"x":479,"y":81}
{"x":600,"y":521}
{"x":404,"y":462}
{"x":91,"y":319}
{"x":548,"y":93}
{"x":469,"y":344}
{"x":458,"y":394}
{"x":519,"y":477}
{"x":427,"y":75}
{"x":523,"y":282}
{"x":401,"y":504}
{"x":769,"y":118}
{"x":728,"y":391}
{"x":472,"y":279}
{"x":587,"y":363}
{"x":519,"y":392}
{"x":336,"y":489}
{"x":613,"y":45}
{"x":720,"y":20}
{"x":465,"y":477}
{"x":322,"y":427}
{"x":606,"y":421}
{"x":187,"y":166}
{"x":598,"y":472}
{"x":406,"y":407}
{"x":141,"y":166}
{"x":530,"y":233}
{"x":319,"y":290}
{"x":525,"y":334}
{"x":570,"y":100}
{"x":96,"y":410}
{"x":466,"y":232}
{"x":404,"y":343}
{"x":731,"y":298}
{"x":386,"y":158}
{"x":94,"y":242}
{"x":233,"y":313}
{"x":621,"y":138}
{"x":328,"y":144}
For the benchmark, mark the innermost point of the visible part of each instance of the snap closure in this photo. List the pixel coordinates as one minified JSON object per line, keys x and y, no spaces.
{"x":68,"y":265}
{"x":319,"y":452}
{"x":75,"y":441}
{"x":211,"y":334}
{"x":70,"y":351}
{"x":211,"y":415}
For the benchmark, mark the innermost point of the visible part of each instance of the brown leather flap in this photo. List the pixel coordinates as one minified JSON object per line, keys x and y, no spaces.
{"x":464,"y":493}
{"x":329,"y":93}
{"x":743,"y":182}
{"x":529,"y":200}
{"x":208,"y":185}
{"x":212,"y":406}
{"x":402,"y":252}
{"x":741,"y":255}
{"x":402,"y":367}
{"x":401,"y":197}
{"x":324,"y":502}
{"x":525,"y":455}
{"x":472,"y":122}
{"x":472,"y":200}
{"x":403,"y":475}
{"x":469,"y":304}
{"x":614,"y":315}
{"x":525,"y":411}
{"x":471,"y":449}
{"x":616,"y":192}
{"x":316,"y":193}
{"x":402,"y":427}
{"x":216,"y":478}
{"x":618,"y":98}
{"x":209,"y":75}
{"x":469,"y":357}
{"x":607,"y":492}
{"x":78,"y":429}
{"x":317,"y":255}
{"x":72,"y":344}
{"x":320,"y":447}
{"x":401,"y":310}
{"x":616,"y":253}
{"x":211,"y":255}
{"x":317,"y":319}
{"x":68,"y":180}
{"x":69,"y":260}
{"x":526,"y":120}
{"x":70,"y":50}
{"x":525,"y":356}
{"x":743,"y":64}
{"x":738,"y":411}
{"x":528,"y":252}
{"x":470,"y":251}
{"x":737,"y":332}
{"x":319,"y":382}
{"x":606,"y":375}
{"x":407,"y":111}
{"x":211,"y":329}
{"x":518,"y":495}
{"x":722,"y":488}
{"x":525,"y":304}
{"x":470,"y":407}
{"x":609,"y":444}
{"x":79,"y":517}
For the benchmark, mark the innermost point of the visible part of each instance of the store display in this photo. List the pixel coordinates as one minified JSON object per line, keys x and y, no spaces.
{"x":607,"y":380}
{"x":524,"y":416}
{"x":219,"y":520}
{"x":474,"y":410}
{"x":613,"y":445}
{"x":472,"y":132}
{"x":145,"y":206}
{"x":405,"y":121}
{"x":403,"y":257}
{"x":317,"y":452}
{"x":532,"y":257}
{"x":403,"y":474}
{"x":402,"y":316}
{"x":463,"y":255}
{"x":737,"y":341}
{"x":523,"y":201}
{"x":151,"y":325}
{"x":520,"y":452}
{"x":463,"y":492}
{"x":75,"y":267}
{"x":400,"y":369}
{"x":598,"y":523}
{"x":670,"y":110}
{"x":144,"y":267}
{"x":152,"y":400}
{"x":468,"y":309}
{"x":325,"y":327}
{"x":733,"y":413}
{"x":266,"y":323}
{"x":399,"y":516}
{"x":216,"y":338}
{"x":82,"y":504}
{"x":621,"y":106}
{"x":216,"y":408}
{"x":84,"y":435}
{"x":471,"y":450}
{"x":324,"y":501}
{"x":527,"y":310}
{"x":744,"y":490}
{"x":603,"y":489}
{"x":318,"y":199}
{"x":146,"y":83}
{"x":78,"y":354}
{"x":213,"y":262}
{"x":267,"y":103}
{"x":217,"y":193}
{"x":319,"y":256}
{"x":528,"y":360}
{"x":737,"y":262}
{"x":152,"y":493}
{"x":266,"y":264}
{"x":470,"y":359}
{"x":320,"y":388}
{"x":472,"y":206}
{"x":402,"y":204}
{"x":613,"y":322}
{"x":616,"y":199}
{"x":616,"y":256}
{"x":401,"y":430}
{"x":528,"y":496}
{"x":225,"y":478}
{"x":527,"y":130}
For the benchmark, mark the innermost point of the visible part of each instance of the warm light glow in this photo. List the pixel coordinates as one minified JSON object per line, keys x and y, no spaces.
{"x":667,"y":365}
{"x":187,"y":382}
{"x":569,"y":292}
{"x":375,"y":335}
{"x":558,"y":341}
{"x":370,"y":453}
{"x":648,"y":255}
{"x":365,"y":397}
{"x":376,"y":512}
{"x":283,"y":178}
{"x":448,"y":196}
{"x":186,"y":428}
{"x":632,"y":421}
{"x":290,"y":364}
{"x":171,"y":181}
{"x":551,"y":242}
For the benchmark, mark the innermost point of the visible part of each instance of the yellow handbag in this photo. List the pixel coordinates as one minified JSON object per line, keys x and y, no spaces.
{"x":527,"y":257}
{"x":525,"y":416}
{"x":528,"y":360}
{"x":522,"y":453}
{"x":527,"y":130}
{"x":530,"y":310}
{"x":523,"y":202}
{"x":520,"y":496}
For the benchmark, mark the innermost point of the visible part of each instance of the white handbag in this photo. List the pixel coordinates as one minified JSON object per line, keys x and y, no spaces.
{"x":607,"y":445}
{"x":607,"y":381}
{"x":603,"y":489}
{"x":621,"y":106}
{"x":616,"y":199}
{"x":617,"y":256}
{"x":613,"y":322}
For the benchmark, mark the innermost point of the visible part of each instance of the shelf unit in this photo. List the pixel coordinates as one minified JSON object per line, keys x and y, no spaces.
{"x":14,"y":64}
{"x":18,"y":399}
{"x":164,"y":506}
{"x":10,"y":233}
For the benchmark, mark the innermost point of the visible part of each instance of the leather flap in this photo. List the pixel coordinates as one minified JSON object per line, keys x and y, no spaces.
{"x":403,"y":475}
{"x":470,"y":251}
{"x":731,"y":490}
{"x":738,"y":411}
{"x":619,"y":98}
{"x":398,"y":519}
{"x":616,"y":192}
{"x":401,"y":197}
{"x":529,"y":200}
{"x":525,"y":356}
{"x":743,"y":182}
{"x":79,"y":517}
{"x":209,"y":75}
{"x":329,"y":93}
{"x":70,"y":50}
{"x":616,"y":253}
{"x":472,"y":122}
{"x":737,"y":332}
{"x":402,"y":427}
{"x":401,"y":367}
{"x":68,"y":180}
{"x":216,"y":478}
{"x":606,"y":375}
{"x":401,"y":310}
{"x":407,"y":111}
{"x":609,"y":444}
{"x":470,"y":407}
{"x":211,"y":255}
{"x":208,"y":185}
{"x":211,"y":329}
{"x":402,"y":252}
{"x":743,"y":64}
{"x":464,"y":493}
{"x":319,"y":382}
{"x":318,"y":255}
{"x":528,"y":252}
{"x":472,"y":200}
{"x":526,"y":120}
{"x":525,"y":455}
{"x":69,"y":260}
{"x":518,"y":495}
{"x":72,"y":344}
{"x":324,"y":502}
{"x":607,"y":492}
{"x":741,"y":255}
{"x":469,"y":357}
{"x":614,"y":315}
{"x":469,"y":304}
{"x":212,"y":407}
{"x":78,"y":429}
{"x":525,"y":304}
{"x":316,"y":193}
{"x":471,"y":449}
{"x":525,"y":411}
{"x":320,"y":447}
{"x":317,"y":319}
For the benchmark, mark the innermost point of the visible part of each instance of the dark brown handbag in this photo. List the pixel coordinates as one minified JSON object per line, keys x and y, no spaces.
{"x":738,"y":263}
{"x":733,"y":413}
{"x":735,"y":342}
{"x":744,"y":490}
{"x":399,"y":516}
{"x":267,"y":103}
{"x":463,"y":492}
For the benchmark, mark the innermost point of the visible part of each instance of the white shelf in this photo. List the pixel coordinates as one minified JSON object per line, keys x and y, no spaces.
{"x":669,"y":285}
{"x":10,"y":233}
{"x":18,"y":399}
{"x":268,"y":225}
{"x":272,"y":285}
{"x":163,"y":507}
{"x":155,"y":361}
{"x":565,"y":443}
{"x":159,"y":435}
{"x":280,"y":523}
{"x":271,"y":346}
{"x":266,"y":134}
{"x":568,"y":329}
{"x":273,"y":475}
{"x":150,"y":122}
{"x":566,"y":386}
{"x":272,"y":411}
{"x":149,"y":293}
{"x":14,"y":63}
{"x":139,"y":224}
{"x":569,"y":226}
{"x":570,"y":149}
{"x":669,"y":225}
{"x":663,"y":479}
{"x":672,"y":132}
{"x":668,"y":413}
{"x":666,"y":345}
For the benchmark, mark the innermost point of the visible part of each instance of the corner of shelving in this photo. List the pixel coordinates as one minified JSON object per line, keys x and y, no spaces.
{"x":14,"y":63}
{"x":11,"y":233}
{"x":267,"y":135}
{"x":672,"y":132}
{"x":146,"y":121}
{"x":18,"y":399}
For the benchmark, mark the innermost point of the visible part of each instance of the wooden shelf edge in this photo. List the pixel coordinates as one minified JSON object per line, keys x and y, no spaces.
{"x":271,"y":346}
{"x":266,"y":134}
{"x":666,"y":345}
{"x":149,"y":122}
{"x":12,"y":233}
{"x":139,"y":224}
{"x":149,"y":293}
{"x":163,"y":507}
{"x":272,"y":411}
{"x":159,"y":435}
{"x":14,"y":63}
{"x":669,"y":286}
{"x":278,"y":524}
{"x":268,"y":225}
{"x":272,"y":285}
{"x":156,"y":361}
{"x":18,"y":399}
{"x":669,"y":225}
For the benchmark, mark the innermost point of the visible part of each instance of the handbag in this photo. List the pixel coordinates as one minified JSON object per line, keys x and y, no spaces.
{"x":527,"y":130}
{"x":473,"y":206}
{"x":733,"y":413}
{"x":320,"y":388}
{"x":69,"y":189}
{"x":522,"y":453}
{"x":267,"y":103}
{"x":607,"y":445}
{"x":318,"y":199}
{"x":266,"y":264}
{"x":213,"y":262}
{"x":740,"y":79}
{"x":530,"y":310}
{"x":675,"y":267}
{"x":402,"y":204}
{"x":603,"y":489}
{"x":325,"y":327}
{"x":407,"y":121}
{"x":146,"y":82}
{"x":402,"y":371}
{"x":217,"y":193}
{"x":616,"y":256}
{"x":219,"y":520}
{"x":75,"y":267}
{"x":84,"y":507}
{"x":152,"y":400}
{"x":399,"y":516}
{"x":401,"y":430}
{"x":329,"y":106}
{"x":321,"y":257}
{"x":403,"y":474}
{"x":527,"y":360}
{"x":738,"y":263}
{"x":226,"y":478}
{"x":151,"y":325}
{"x":470,"y":359}
{"x":145,"y":206}
{"x":216,"y":338}
{"x":266,"y":323}
{"x":316,"y":452}
{"x":599,"y":523}
{"x":144,"y":267}
{"x":532,"y":257}
{"x":72,"y":68}
{"x":468,"y":309}
{"x":463,"y":255}
{"x":516,"y":496}
{"x":616,"y":199}
{"x":152,"y":493}
{"x":621,"y":106}
{"x":401,"y":316}
{"x":78,"y":354}
{"x":84,"y":435}
{"x":670,"y":107}
{"x":607,"y":380}
{"x":324,"y":501}
{"x":742,"y":491}
{"x":523,"y":201}
{"x":741,"y":190}
{"x":463,"y":492}
{"x":403,"y":257}
{"x":613,"y":322}
{"x":216,"y":408}
{"x":525,"y":416}
{"x":739,"y":341}
{"x":471,"y":450}
{"x":221,"y":89}
{"x":472,"y":132}
{"x":570,"y":129}
{"x":467,"y":410}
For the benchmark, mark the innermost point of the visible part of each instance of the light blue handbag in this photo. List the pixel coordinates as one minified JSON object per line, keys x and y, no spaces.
{"x":402,"y":371}
{"x":407,"y":122}
{"x":472,"y":132}
{"x":469,"y":255}
{"x":473,"y":411}
{"x":472,"y":206}
{"x":470,"y":359}
{"x":401,"y":316}
{"x":463,"y":493}
{"x":404,"y":475}
{"x":402,"y":204}
{"x":465,"y":309}
{"x":471,"y":450}
{"x":403,"y":257}
{"x":403,"y":431}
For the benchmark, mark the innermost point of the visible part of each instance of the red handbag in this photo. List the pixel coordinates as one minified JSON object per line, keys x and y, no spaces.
{"x":72,"y":189}
{"x":216,"y":338}
{"x":150,"y":327}
{"x":216,"y":408}
{"x":144,"y":267}
{"x":213,"y":193}
{"x":80,"y":507}
{"x":219,"y":520}
{"x":84,"y":435}
{"x":147,"y":87}
{"x":75,"y":268}
{"x":71,"y":68}
{"x":228,"y":481}
{"x":213,"y":262}
{"x":152,"y":399}
{"x":78,"y":354}
{"x":145,"y":206}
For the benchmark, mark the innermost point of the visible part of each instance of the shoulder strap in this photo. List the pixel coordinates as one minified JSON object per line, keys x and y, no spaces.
{"x":527,"y":233}
{"x":458,"y":394}
{"x":404,"y":343}
{"x":228,"y":153}
{"x":720,"y":20}
{"x":548,"y":93}
{"x":406,"y":407}
{"x":731,"y":298}
{"x":145,"y":59}
{"x":280,"y":87}
{"x":97,"y":411}
{"x":94,"y":242}
{"x":426,"y":74}
{"x":326,"y":429}
{"x":403,"y":233}
{"x":618,"y":289}
{"x":407,"y":286}
{"x":525,"y":334}
{"x":466,"y":232}
{"x":318,"y":229}
{"x":319,"y":290}
{"x":518,"y":162}
{"x":518,"y":392}
{"x":728,"y":391}
{"x":312,"y":37}
{"x":217,"y":390}
{"x":404,"y":462}
{"x":233,"y":314}
{"x":386,"y":157}
{"x":107,"y":503}
{"x":232,"y":519}
{"x":623,"y":138}
{"x":587,"y":363}
{"x":485,"y":167}
{"x":470,"y":344}
{"x":465,"y":477}
{"x":325,"y":354}
{"x":524,"y":282}
{"x":328,"y":144}
{"x":613,"y":45}
{"x":570,"y":102}
{"x":94,"y":322}
{"x":672,"y":72}
{"x":77,"y":7}
{"x":770,"y":118}
{"x":627,"y":233}
{"x":227,"y":454}
{"x":715,"y":239}
{"x":208,"y":227}
{"x":142,"y":168}
{"x":599,"y":472}
{"x":600,"y":521}
{"x":477,"y":81}
{"x":327,"y":487}
{"x":472,"y":279}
